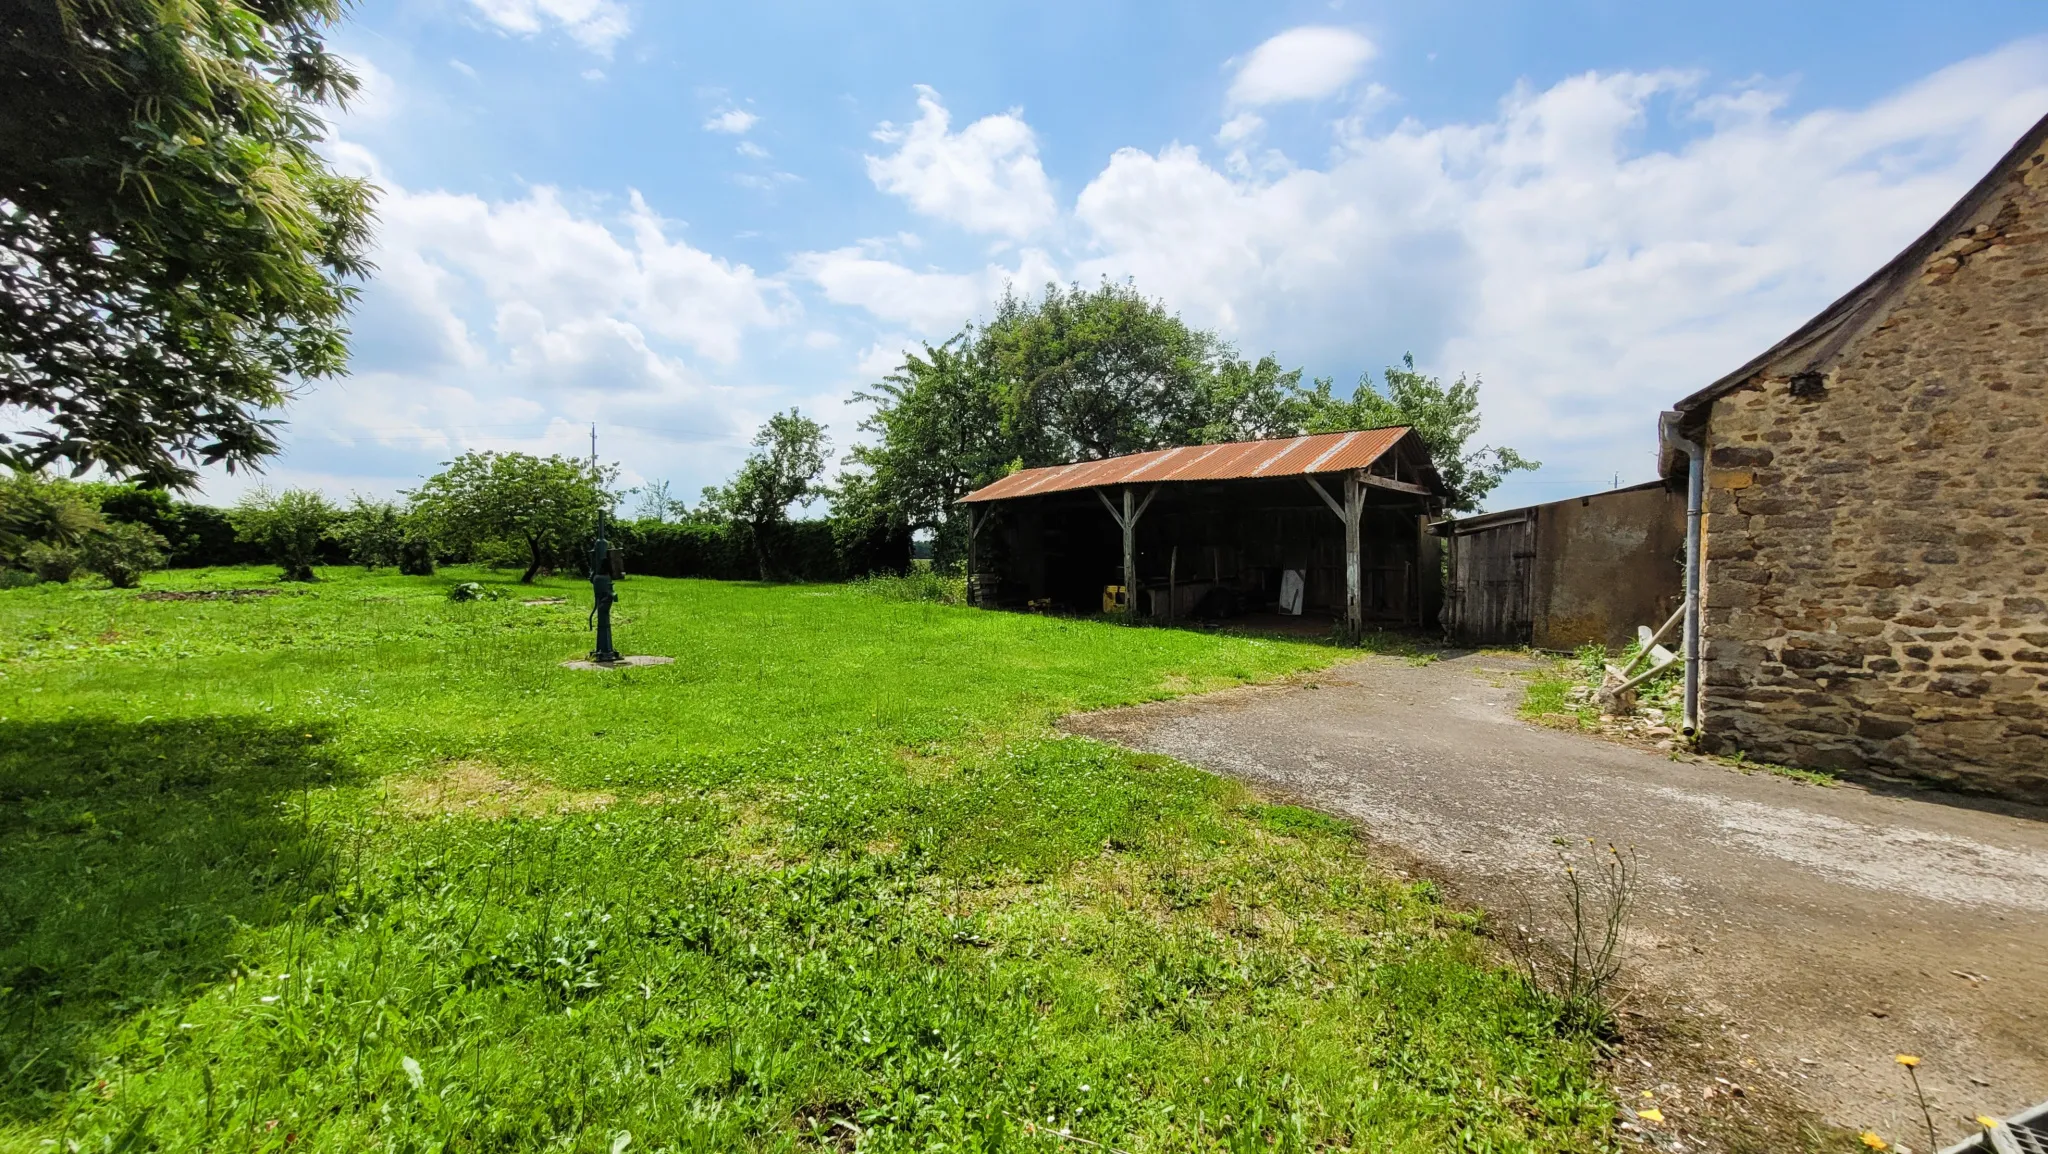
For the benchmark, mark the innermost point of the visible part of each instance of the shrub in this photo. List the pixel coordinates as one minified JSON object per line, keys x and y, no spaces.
{"x":51,"y":562}
{"x":416,"y":555}
{"x":122,"y":552}
{"x":373,"y":532}
{"x":474,"y":591}
{"x":287,"y":526}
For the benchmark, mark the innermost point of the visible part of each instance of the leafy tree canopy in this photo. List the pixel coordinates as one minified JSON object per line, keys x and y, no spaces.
{"x":1079,"y":374}
{"x":289,"y":526}
{"x":784,"y":469}
{"x":548,"y":505}
{"x":35,"y":510}
{"x":374,"y":532}
{"x":1072,"y":374}
{"x":1446,"y":417}
{"x":122,"y":552}
{"x":173,"y":250}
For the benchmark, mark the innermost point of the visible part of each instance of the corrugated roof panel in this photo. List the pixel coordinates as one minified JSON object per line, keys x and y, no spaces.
{"x":1279,"y":457}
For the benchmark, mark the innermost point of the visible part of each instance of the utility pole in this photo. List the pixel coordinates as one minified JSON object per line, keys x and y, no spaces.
{"x":593,"y":445}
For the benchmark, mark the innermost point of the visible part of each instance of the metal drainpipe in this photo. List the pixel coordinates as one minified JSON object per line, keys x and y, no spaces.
{"x":1695,"y":497}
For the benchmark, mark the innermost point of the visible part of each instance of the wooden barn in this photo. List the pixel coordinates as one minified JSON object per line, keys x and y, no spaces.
{"x":1330,"y":527}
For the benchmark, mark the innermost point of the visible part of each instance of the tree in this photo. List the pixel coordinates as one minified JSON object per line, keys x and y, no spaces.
{"x":174,"y":251}
{"x":1072,"y":374}
{"x":655,"y":503}
{"x":783,"y":470}
{"x":288,"y":526}
{"x":122,"y":552}
{"x":1446,"y":417}
{"x":939,"y":421}
{"x":38,"y":512}
{"x":1084,"y":375}
{"x":547,"y":505}
{"x":373,"y":532}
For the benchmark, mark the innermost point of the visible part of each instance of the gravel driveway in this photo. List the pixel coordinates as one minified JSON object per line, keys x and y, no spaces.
{"x":1814,"y":931}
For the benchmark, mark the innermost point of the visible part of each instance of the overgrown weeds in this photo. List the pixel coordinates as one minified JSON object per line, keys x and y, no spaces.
{"x":1571,"y":948}
{"x":920,"y":584}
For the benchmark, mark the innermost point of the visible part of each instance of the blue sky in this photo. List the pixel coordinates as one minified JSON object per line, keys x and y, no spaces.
{"x":675,"y":219}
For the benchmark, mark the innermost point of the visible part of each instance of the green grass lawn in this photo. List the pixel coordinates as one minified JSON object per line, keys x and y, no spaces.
{"x":350,"y":866}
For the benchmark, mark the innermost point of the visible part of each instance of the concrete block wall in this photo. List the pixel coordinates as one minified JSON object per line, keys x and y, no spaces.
{"x":1876,"y":539}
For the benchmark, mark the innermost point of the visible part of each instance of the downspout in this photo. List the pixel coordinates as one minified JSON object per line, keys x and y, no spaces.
{"x":1695,"y":499}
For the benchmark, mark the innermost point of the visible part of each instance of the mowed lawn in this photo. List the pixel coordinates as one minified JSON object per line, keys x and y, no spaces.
{"x":349,"y":866}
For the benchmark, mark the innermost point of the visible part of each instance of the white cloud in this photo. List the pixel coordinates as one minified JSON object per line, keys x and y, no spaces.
{"x":559,"y":279}
{"x":933,"y":303}
{"x":764,"y":181}
{"x":376,"y":97}
{"x":509,"y":323}
{"x":1592,"y":281}
{"x":985,"y":178}
{"x":750,"y":150}
{"x":1591,"y":278}
{"x":885,"y":356}
{"x":733,"y":121}
{"x":595,"y":24}
{"x":1240,"y":128}
{"x":1300,"y":64}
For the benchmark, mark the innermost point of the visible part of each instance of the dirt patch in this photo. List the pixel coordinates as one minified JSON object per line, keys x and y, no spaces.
{"x":476,"y":789}
{"x":203,"y":594}
{"x":545,"y":601}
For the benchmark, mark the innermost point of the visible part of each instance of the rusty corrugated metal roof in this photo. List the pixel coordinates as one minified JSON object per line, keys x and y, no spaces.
{"x":1232,"y":460}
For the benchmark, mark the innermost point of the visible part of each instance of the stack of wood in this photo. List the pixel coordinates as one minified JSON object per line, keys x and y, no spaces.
{"x":1617,"y":695}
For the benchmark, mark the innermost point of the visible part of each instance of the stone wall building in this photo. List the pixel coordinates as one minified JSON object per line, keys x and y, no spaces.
{"x":1875,"y":540}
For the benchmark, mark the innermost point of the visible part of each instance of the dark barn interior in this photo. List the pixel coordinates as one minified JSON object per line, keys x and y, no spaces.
{"x":1210,"y":547}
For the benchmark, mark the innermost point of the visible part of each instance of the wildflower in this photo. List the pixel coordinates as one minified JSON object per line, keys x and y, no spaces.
{"x":1907,"y":1060}
{"x":1874,"y":1142}
{"x":1651,"y":1115}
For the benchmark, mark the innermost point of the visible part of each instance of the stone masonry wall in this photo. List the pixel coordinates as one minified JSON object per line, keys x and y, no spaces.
{"x":1876,"y":576}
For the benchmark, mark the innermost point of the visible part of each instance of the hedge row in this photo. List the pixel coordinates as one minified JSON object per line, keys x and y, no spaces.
{"x":200,"y":536}
{"x":798,"y":551}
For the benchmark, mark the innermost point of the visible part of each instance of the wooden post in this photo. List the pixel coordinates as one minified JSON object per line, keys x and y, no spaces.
{"x":1354,"y":508}
{"x":1128,"y":522}
{"x":1172,"y":581}
{"x":973,"y":530}
{"x":1130,"y":526}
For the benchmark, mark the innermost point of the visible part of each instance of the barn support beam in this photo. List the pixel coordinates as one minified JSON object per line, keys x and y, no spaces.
{"x":1351,"y":511}
{"x":975,"y":520}
{"x":1128,"y":522}
{"x":1354,"y":600}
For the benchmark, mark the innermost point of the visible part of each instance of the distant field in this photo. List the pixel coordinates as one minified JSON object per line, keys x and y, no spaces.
{"x":349,"y":866}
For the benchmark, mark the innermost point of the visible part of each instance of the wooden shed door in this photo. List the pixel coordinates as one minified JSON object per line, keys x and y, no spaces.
{"x":1491,"y":600}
